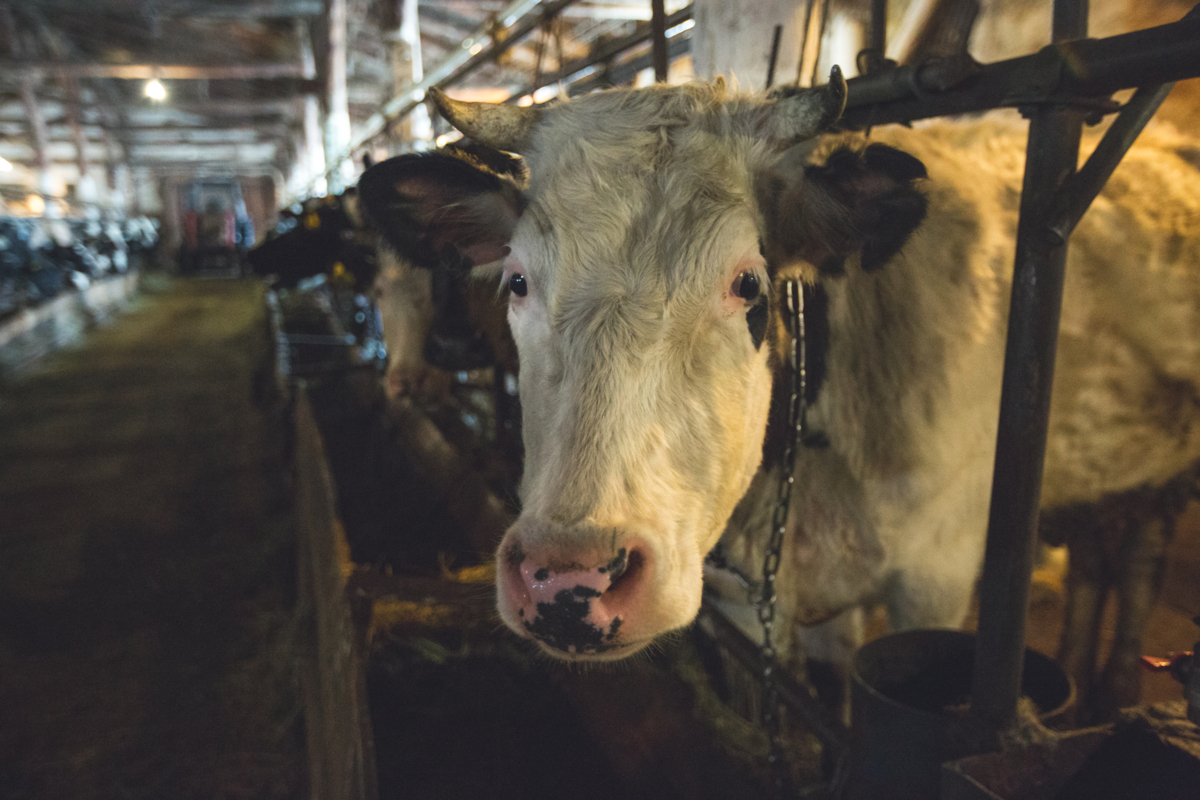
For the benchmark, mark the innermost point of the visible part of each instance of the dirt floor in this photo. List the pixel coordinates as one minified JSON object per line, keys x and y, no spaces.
{"x":147,"y":642}
{"x":146,"y":571}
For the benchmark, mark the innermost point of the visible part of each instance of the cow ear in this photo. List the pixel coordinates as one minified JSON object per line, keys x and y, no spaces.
{"x":865,"y":201}
{"x":423,"y":203}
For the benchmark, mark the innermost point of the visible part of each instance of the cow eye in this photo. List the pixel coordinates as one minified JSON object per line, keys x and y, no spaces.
{"x":745,"y":286}
{"x":517,"y":285}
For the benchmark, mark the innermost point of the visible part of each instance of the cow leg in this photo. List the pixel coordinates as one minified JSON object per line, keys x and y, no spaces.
{"x":1087,"y":589}
{"x":1143,"y":560}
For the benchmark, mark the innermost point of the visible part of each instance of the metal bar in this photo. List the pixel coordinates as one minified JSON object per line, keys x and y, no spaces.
{"x":1061,"y":72}
{"x":792,"y":693}
{"x":878,"y":45}
{"x":1051,"y":157}
{"x":774,"y":55}
{"x":658,"y":39}
{"x":676,"y":46}
{"x":1083,"y":187}
{"x":1069,"y":20}
{"x":605,"y":53}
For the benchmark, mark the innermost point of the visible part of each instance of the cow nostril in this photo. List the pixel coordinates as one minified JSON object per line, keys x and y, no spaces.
{"x":624,"y":569}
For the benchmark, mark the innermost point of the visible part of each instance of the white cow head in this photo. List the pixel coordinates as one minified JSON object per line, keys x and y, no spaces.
{"x":639,"y":263}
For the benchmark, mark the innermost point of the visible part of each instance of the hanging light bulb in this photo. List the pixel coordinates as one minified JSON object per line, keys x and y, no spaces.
{"x":155,"y":90}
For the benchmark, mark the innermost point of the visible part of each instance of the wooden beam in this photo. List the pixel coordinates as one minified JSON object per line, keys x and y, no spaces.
{"x":174,"y":72}
{"x":258,"y":9}
{"x":287,"y":107}
{"x":231,"y":154}
{"x":258,"y":133}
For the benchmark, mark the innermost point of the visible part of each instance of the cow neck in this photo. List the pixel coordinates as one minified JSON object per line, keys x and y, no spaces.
{"x":812,"y":343}
{"x":804,"y":313}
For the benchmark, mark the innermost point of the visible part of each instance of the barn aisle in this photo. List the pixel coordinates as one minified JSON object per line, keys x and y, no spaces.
{"x":145,"y":564}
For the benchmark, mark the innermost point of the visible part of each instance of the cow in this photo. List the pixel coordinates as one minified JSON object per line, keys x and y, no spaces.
{"x":644,"y":263}
{"x":438,"y":319}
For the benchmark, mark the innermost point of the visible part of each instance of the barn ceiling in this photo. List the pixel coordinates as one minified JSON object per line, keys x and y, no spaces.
{"x":237,"y":72}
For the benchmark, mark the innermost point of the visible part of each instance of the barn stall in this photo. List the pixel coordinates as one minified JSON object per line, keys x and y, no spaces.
{"x":382,"y":669}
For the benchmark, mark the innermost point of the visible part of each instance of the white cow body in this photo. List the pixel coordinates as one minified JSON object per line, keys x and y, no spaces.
{"x":895,"y":510}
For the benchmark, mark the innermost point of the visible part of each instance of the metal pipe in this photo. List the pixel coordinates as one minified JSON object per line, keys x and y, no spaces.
{"x":676,"y":46}
{"x":878,"y":45}
{"x":1083,"y":187}
{"x":796,"y":697}
{"x":1084,"y":70}
{"x":1069,"y":20}
{"x":658,"y":39}
{"x":606,"y":52}
{"x":1051,"y":157}
{"x":775,"y":37}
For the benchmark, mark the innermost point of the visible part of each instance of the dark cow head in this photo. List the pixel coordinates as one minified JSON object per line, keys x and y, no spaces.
{"x":396,"y":194}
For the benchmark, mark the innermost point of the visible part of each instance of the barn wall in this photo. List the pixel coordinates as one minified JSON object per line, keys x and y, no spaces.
{"x":733,"y":38}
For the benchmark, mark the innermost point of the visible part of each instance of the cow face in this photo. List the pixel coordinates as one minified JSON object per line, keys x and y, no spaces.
{"x":639,"y":265}
{"x":438,"y":319}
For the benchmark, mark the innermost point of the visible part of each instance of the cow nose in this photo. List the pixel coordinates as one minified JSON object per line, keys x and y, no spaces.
{"x":574,"y":608}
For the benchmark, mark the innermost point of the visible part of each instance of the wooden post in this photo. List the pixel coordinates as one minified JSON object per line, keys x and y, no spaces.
{"x":337,"y":103}
{"x":312,"y":153}
{"x":37,"y":131}
{"x":415,"y":130}
{"x":85,"y":186}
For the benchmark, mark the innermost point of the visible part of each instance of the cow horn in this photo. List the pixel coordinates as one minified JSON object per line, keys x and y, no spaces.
{"x":804,"y":114}
{"x":499,"y":126}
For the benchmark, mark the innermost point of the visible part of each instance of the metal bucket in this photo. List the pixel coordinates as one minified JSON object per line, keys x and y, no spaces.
{"x":908,"y":697}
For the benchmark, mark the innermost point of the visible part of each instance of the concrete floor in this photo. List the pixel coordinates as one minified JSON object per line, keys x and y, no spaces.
{"x":146,"y":641}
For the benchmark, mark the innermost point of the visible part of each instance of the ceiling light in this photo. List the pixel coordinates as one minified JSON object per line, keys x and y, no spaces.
{"x":5,"y":165}
{"x":155,"y":90}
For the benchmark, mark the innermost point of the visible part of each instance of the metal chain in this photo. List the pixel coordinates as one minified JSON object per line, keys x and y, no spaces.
{"x":797,"y":413}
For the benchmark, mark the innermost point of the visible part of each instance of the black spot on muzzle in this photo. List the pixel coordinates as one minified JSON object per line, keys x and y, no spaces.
{"x":563,"y":624}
